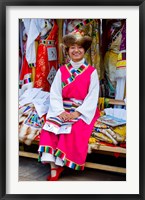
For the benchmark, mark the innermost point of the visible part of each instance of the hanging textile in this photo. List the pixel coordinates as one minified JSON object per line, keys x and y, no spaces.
{"x":121,"y":66}
{"x":47,"y":61}
{"x":32,"y":29}
{"x":112,"y":35}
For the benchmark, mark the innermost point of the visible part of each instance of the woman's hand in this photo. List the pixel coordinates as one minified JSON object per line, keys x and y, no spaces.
{"x":64,"y":116}
{"x":69,"y":116}
{"x":74,"y":115}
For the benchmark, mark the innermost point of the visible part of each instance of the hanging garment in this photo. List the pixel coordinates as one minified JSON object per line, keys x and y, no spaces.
{"x":25,"y":81}
{"x":32,"y":29}
{"x":71,"y":149}
{"x":113,"y":32}
{"x":121,"y":67}
{"x":47,"y":62}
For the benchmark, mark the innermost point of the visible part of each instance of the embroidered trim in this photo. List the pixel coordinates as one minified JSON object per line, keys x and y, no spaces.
{"x":67,"y":162}
{"x":34,"y":120}
{"x":74,"y":73}
{"x":73,"y":165}
{"x":46,"y":149}
{"x":121,"y":62}
{"x":47,"y":42}
{"x":61,"y":155}
{"x":56,"y":121}
{"x":27,"y":79}
{"x":69,"y":105}
{"x":83,"y":23}
{"x":32,"y":65}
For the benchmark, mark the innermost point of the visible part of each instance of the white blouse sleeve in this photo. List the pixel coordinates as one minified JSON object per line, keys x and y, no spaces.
{"x":56,"y":101}
{"x":88,"y":108}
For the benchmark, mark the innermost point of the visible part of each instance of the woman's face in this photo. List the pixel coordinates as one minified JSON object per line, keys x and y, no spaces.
{"x":76,"y":52}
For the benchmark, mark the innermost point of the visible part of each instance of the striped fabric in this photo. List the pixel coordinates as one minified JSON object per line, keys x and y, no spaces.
{"x":121,"y":62}
{"x":55,"y":124}
{"x":32,"y":65}
{"x":61,"y":155}
{"x":27,"y":78}
{"x":74,"y":73}
{"x":47,"y":42}
{"x":46,"y":149}
{"x":69,"y":105}
{"x":67,"y":162}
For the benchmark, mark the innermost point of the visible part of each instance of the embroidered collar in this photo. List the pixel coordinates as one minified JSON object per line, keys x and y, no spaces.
{"x":74,"y":73}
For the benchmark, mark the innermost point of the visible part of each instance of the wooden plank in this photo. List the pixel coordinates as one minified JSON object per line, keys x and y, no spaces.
{"x":108,"y":148}
{"x":28,"y":154}
{"x":116,"y":102}
{"x":105,"y":167}
{"x":88,"y":164}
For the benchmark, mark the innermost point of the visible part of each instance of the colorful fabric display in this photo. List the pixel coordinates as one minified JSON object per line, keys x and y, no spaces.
{"x":47,"y":59}
{"x":102,"y":137}
{"x":30,"y":125}
{"x":103,"y":132}
{"x":110,"y":134}
{"x":121,"y":61}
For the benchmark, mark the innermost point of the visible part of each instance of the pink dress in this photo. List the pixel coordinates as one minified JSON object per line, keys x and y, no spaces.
{"x":71,"y":148}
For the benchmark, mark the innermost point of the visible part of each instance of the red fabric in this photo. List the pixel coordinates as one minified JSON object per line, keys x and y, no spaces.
{"x":43,"y":65}
{"x":25,"y":69}
{"x":116,"y":154}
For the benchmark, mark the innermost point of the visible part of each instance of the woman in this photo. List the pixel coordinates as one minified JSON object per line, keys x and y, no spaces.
{"x":72,"y":112}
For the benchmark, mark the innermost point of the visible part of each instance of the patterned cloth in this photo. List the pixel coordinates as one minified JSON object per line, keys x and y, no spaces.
{"x":46,"y":62}
{"x":121,"y":61}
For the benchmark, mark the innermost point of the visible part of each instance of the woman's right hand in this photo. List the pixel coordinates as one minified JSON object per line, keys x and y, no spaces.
{"x":64,"y":116}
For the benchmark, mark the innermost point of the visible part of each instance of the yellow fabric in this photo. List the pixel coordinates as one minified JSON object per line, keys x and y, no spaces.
{"x":33,"y":68}
{"x":120,"y":56}
{"x":92,"y":140}
{"x":101,"y":103}
{"x":121,"y":64}
{"x":103,"y":137}
{"x":121,"y":130}
{"x":110,"y":61}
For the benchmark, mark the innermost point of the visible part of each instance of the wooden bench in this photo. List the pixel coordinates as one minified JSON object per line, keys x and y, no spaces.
{"x":98,"y":149}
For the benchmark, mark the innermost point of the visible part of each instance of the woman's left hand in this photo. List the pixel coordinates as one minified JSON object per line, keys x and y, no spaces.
{"x":74,"y":115}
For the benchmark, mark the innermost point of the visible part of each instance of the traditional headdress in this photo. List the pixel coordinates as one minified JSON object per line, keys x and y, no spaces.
{"x":77,"y":38}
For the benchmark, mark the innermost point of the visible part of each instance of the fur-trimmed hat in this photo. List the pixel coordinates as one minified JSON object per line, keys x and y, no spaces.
{"x":77,"y":38}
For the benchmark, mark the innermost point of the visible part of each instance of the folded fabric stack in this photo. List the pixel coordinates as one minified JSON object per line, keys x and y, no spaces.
{"x":33,"y":107}
{"x":104,"y":133}
{"x":109,"y":134}
{"x":30,"y":124}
